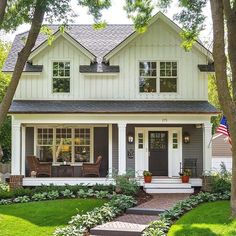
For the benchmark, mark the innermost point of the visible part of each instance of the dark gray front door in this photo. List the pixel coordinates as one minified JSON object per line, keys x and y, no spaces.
{"x":158,"y":152}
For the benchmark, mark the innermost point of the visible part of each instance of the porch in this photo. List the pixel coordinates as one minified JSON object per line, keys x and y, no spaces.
{"x":134,"y":143}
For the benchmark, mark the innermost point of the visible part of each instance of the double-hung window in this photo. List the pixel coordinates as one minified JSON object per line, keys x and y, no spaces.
{"x":158,"y":77}
{"x":147,"y":77}
{"x":61,"y":77}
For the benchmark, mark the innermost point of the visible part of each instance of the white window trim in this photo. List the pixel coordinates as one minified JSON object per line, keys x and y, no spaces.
{"x":51,"y":76}
{"x":72,"y":146}
{"x":158,"y":78}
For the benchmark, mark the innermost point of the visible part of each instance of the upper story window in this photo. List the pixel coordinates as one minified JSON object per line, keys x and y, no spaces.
{"x":168,"y":77}
{"x":147,"y":77}
{"x":61,"y":77}
{"x":157,"y":77}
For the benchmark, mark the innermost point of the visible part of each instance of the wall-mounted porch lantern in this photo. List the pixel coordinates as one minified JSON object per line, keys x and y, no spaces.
{"x":186,"y":137}
{"x":130,"y":138}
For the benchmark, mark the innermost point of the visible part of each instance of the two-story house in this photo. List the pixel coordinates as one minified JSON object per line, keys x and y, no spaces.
{"x":138,"y":100}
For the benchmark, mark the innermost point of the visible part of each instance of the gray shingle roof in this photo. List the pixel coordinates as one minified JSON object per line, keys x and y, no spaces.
{"x":98,"y":42}
{"x":51,"y":106}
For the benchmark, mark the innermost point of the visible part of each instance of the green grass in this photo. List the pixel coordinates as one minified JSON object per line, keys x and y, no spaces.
{"x":208,"y":219}
{"x":41,"y":218}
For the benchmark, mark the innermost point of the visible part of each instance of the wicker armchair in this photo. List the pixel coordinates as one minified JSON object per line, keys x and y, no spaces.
{"x":92,"y":169}
{"x":39,"y":168}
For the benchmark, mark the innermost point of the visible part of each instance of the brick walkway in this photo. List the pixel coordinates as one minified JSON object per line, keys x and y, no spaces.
{"x":131,"y":224}
{"x":164,"y":200}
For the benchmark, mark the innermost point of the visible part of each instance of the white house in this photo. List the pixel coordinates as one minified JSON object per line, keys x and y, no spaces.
{"x":138,"y":100}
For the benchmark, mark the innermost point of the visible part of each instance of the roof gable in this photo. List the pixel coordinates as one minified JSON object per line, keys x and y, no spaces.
{"x":198,"y":45}
{"x":69,"y":38}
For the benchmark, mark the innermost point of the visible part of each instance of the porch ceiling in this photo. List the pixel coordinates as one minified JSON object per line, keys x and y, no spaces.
{"x":55,"y":106}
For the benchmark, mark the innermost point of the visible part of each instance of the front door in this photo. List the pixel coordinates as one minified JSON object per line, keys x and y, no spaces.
{"x":158,"y":152}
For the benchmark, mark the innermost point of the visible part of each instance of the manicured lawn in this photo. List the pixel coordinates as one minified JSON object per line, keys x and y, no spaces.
{"x":41,"y":218}
{"x":208,"y":219}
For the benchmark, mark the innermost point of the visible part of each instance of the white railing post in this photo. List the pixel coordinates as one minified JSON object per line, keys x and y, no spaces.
{"x":122,"y":148}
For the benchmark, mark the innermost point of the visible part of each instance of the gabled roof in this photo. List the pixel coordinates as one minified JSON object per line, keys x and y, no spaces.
{"x":97,"y":42}
{"x":67,"y":36}
{"x":198,"y":45}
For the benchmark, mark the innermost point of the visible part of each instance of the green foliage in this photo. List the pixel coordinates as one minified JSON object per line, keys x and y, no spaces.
{"x":53,"y":192}
{"x":126,"y":184}
{"x":147,"y":173}
{"x":80,"y":224}
{"x":5,"y":131}
{"x":222,"y":180}
{"x":140,"y":12}
{"x":167,"y":218}
{"x":94,"y":8}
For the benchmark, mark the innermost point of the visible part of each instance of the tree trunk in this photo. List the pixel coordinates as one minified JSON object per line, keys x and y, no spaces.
{"x":22,"y":59}
{"x":3,"y":5}
{"x":225,"y":99}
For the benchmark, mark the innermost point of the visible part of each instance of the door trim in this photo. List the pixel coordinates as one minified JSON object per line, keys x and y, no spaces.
{"x":142,"y":158}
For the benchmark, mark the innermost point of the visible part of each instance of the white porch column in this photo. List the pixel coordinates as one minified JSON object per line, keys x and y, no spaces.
{"x":23,"y":133}
{"x":110,"y":149}
{"x":122,"y":148}
{"x":16,"y":149}
{"x":207,"y":147}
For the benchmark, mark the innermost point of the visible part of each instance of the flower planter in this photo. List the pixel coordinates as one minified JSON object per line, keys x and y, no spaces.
{"x":147,"y":179}
{"x":185,"y":179}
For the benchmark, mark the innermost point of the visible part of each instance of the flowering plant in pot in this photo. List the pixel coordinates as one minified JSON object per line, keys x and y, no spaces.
{"x":147,"y":176}
{"x":185,"y":175}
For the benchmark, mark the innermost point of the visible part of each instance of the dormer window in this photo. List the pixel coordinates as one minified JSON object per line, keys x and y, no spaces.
{"x":61,"y":77}
{"x":158,"y":77}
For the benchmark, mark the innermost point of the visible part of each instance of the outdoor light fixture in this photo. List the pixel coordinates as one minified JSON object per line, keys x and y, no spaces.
{"x":130,"y":138}
{"x":186,"y":137}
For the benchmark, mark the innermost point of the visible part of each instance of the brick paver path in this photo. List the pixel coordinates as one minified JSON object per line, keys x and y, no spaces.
{"x":164,"y":200}
{"x":137,"y":223}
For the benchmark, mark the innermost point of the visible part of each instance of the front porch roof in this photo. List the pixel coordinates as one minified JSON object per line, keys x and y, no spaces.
{"x":162,"y":107}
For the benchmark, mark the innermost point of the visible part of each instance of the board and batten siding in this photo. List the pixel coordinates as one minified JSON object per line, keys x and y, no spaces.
{"x":160,"y":42}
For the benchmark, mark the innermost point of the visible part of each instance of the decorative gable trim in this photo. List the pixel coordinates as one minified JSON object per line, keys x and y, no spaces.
{"x":69,"y":38}
{"x":198,"y":45}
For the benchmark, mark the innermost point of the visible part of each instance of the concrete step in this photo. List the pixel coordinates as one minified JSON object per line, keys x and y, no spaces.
{"x":113,"y":230}
{"x":144,"y":211}
{"x":168,"y":185}
{"x":169,"y":190}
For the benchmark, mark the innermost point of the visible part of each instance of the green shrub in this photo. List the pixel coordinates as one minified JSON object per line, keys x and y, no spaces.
{"x":222,"y":180}
{"x":126,"y":184}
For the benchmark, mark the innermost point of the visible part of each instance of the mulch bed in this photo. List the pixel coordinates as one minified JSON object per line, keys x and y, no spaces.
{"x":143,"y":197}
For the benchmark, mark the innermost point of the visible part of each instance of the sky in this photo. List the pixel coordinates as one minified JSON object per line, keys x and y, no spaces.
{"x":116,"y":15}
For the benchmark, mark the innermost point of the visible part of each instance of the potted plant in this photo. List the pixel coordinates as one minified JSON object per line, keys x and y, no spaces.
{"x":185,"y":175}
{"x":147,"y":176}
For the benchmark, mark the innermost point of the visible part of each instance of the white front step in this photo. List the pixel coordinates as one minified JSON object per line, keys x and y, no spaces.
{"x":168,"y":185}
{"x":169,"y":190}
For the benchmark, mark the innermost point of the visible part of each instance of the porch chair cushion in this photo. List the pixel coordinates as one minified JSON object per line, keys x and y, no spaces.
{"x":39,"y":168}
{"x":92,"y":169}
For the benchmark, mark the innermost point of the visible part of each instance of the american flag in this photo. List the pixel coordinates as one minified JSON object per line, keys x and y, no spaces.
{"x":223,"y":128}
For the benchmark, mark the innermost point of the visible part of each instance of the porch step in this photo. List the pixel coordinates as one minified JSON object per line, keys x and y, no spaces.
{"x":169,"y":190}
{"x":168,"y":187}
